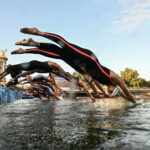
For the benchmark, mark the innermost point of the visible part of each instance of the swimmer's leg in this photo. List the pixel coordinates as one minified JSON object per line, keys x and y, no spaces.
{"x":53,"y":37}
{"x":46,"y":53}
{"x":43,"y":52}
{"x":19,"y":51}
{"x":28,"y":42}
{"x":46,"y":49}
{"x":33,"y":31}
{"x":66,"y":46}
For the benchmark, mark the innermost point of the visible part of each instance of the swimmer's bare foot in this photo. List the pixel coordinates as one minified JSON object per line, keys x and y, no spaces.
{"x":33,"y":31}
{"x":27,"y":42}
{"x":18,"y":51}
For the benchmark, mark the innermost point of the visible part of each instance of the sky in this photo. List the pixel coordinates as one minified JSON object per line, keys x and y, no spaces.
{"x":117,"y":31}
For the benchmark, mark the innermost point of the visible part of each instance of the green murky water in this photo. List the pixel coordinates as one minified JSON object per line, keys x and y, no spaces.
{"x":71,"y":124}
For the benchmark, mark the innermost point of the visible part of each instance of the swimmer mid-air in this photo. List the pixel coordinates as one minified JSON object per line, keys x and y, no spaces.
{"x":37,"y":92}
{"x":42,"y":67}
{"x":82,"y":60}
{"x":88,"y":79}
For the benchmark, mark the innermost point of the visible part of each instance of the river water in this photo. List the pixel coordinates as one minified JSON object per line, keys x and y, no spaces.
{"x":34,"y":124}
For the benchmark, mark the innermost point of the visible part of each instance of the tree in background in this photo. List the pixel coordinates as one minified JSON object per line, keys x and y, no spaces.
{"x":132,"y":79}
{"x":80,"y":76}
{"x":147,"y":83}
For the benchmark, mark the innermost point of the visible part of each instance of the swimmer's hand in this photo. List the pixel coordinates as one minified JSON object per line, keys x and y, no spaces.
{"x":133,"y":99}
{"x":93,"y":99}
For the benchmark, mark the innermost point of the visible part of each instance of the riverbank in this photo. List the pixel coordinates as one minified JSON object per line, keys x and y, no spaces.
{"x":137,"y":92}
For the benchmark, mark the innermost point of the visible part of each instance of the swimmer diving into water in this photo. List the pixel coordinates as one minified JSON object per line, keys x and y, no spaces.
{"x":42,"y":82}
{"x":77,"y":57}
{"x":42,"y":67}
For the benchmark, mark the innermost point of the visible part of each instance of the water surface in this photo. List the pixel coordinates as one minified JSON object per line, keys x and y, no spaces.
{"x":74,"y":124}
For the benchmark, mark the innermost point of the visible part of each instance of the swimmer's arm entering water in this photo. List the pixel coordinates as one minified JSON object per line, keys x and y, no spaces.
{"x":89,"y":80}
{"x":86,"y":90}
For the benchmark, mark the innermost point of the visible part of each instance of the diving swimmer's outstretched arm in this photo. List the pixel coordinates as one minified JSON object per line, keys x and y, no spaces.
{"x":88,"y":78}
{"x":81,"y":84}
{"x":116,"y":80}
{"x":60,"y":72}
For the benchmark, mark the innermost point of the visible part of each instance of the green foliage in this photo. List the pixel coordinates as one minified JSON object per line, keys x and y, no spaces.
{"x":147,"y":83}
{"x":131,"y":78}
{"x":78,"y":75}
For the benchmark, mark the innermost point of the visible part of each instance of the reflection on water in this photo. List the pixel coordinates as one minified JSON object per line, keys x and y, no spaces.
{"x":69,"y":124}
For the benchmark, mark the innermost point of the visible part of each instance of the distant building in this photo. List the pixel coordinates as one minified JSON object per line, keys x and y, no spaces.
{"x":64,"y":84}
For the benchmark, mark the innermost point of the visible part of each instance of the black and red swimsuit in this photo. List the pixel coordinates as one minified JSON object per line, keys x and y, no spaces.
{"x":73,"y":55}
